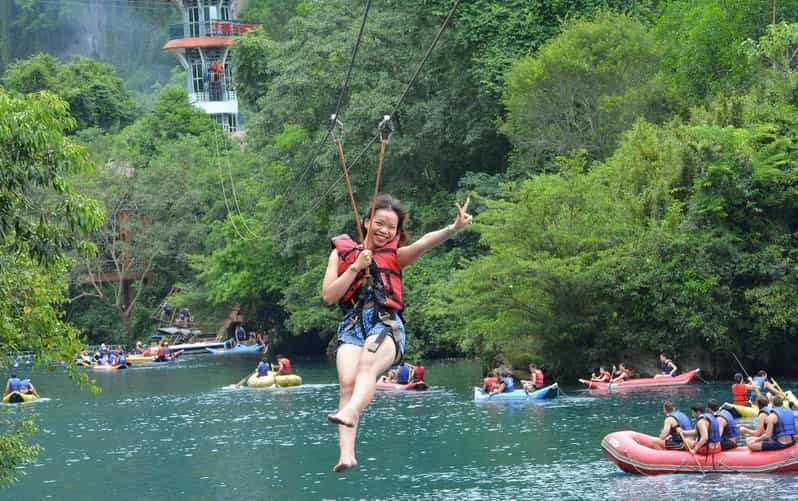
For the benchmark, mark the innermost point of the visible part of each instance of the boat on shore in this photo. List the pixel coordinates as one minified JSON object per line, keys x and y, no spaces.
{"x":239,"y":349}
{"x":641,"y":383}
{"x":190,"y":341}
{"x":547,"y":392}
{"x":633,"y":453}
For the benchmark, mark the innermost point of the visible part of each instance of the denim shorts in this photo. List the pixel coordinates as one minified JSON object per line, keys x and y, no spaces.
{"x":774,"y":445}
{"x":350,"y":332}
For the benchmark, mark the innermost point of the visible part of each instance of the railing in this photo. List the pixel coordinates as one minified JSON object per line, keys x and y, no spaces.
{"x":212,"y":95}
{"x":209,"y":29}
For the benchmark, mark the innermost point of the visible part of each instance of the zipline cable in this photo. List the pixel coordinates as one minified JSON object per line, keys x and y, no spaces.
{"x":374,"y":138}
{"x":311,"y":159}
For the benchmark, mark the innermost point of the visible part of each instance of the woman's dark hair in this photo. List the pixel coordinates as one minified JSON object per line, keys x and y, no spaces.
{"x":402,"y":213}
{"x":738,"y":378}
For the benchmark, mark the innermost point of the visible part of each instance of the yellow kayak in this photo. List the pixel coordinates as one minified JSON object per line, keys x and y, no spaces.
{"x":16,"y":397}
{"x":746,"y":411}
{"x":268,"y":380}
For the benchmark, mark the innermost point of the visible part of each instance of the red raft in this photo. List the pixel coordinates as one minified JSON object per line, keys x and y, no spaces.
{"x":649,"y":382}
{"x":417,"y":386}
{"x":632,"y":452}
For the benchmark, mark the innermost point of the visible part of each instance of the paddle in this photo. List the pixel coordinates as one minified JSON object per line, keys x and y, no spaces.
{"x":692,"y":452}
{"x":756,"y":389}
{"x":238,"y":384}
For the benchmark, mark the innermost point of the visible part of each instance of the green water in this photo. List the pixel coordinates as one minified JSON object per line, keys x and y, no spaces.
{"x":180,"y":432}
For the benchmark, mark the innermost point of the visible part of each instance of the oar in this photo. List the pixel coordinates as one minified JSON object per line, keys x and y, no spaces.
{"x":756,"y":389}
{"x":238,"y":384}
{"x":692,"y":453}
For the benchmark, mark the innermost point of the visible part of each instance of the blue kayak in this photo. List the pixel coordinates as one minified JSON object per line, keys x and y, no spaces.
{"x":240,"y":349}
{"x":551,"y":391}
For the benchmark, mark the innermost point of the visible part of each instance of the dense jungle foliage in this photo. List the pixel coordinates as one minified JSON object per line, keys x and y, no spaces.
{"x":631,"y":166}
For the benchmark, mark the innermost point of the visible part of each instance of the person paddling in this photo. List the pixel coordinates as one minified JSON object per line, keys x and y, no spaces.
{"x":367,"y":282}
{"x":490,"y":382}
{"x":707,"y":431}
{"x":536,"y":379}
{"x":739,"y":390}
{"x":762,"y":404}
{"x":13,"y":384}
{"x":622,"y":375}
{"x":668,"y":367}
{"x":726,"y":424}
{"x":675,"y":425}
{"x":604,"y":376}
{"x":417,"y":374}
{"x":779,"y":429}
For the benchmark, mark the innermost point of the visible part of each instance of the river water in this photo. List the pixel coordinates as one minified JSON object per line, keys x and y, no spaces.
{"x":180,"y":431}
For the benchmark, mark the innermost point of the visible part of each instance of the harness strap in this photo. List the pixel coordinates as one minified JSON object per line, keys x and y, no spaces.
{"x":391,"y":329}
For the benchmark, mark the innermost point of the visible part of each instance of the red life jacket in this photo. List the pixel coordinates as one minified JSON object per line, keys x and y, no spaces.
{"x":418,"y":373}
{"x":285,"y":366}
{"x":738,"y":392}
{"x":538,"y":378}
{"x":607,"y":373}
{"x":387,"y":271}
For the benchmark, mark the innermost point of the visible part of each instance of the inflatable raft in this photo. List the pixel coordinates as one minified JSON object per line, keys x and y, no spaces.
{"x":240,"y":349}
{"x":16,"y":397}
{"x":108,"y":368}
{"x":417,"y":386}
{"x":632,"y":452}
{"x":269,"y":380}
{"x":551,"y":391}
{"x":650,"y":382}
{"x":138,"y":358}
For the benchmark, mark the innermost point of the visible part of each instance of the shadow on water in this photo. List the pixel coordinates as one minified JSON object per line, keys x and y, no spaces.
{"x":183,"y":431}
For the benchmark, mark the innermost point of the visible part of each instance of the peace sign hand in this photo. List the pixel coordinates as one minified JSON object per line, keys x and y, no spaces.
{"x":463,"y":218}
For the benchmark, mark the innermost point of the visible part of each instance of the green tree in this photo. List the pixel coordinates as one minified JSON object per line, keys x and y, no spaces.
{"x":41,"y":218}
{"x":580,"y":91}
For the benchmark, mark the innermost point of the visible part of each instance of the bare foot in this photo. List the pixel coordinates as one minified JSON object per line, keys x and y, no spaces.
{"x":344,"y":465}
{"x":342,"y":418}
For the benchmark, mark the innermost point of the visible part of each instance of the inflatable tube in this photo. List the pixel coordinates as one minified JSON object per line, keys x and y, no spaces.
{"x":632,"y":452}
{"x":551,"y":391}
{"x":268,"y":380}
{"x":16,"y":397}
{"x":651,"y":382}
{"x":417,"y":386}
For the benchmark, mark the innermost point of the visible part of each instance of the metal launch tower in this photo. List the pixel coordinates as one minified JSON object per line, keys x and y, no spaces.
{"x":202,"y":45}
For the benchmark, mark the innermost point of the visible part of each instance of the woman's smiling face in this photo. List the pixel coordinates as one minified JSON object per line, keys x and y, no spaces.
{"x":384,"y":228}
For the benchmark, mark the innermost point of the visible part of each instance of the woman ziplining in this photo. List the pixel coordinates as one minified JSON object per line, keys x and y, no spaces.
{"x":366,"y":280}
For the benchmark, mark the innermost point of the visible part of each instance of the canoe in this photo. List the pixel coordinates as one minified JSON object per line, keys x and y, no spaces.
{"x":240,"y":349}
{"x":417,"y":386}
{"x":16,"y":397}
{"x":632,"y":452}
{"x":551,"y":391}
{"x":268,"y":380}
{"x":650,"y":382}
{"x":745,"y":411}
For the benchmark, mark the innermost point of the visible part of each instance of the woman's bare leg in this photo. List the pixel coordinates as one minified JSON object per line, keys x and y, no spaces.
{"x":347,"y":362}
{"x":369,"y":367}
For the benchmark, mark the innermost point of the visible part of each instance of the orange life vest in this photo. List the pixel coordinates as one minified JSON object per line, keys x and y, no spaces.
{"x":738,"y":392}
{"x":384,"y":269}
